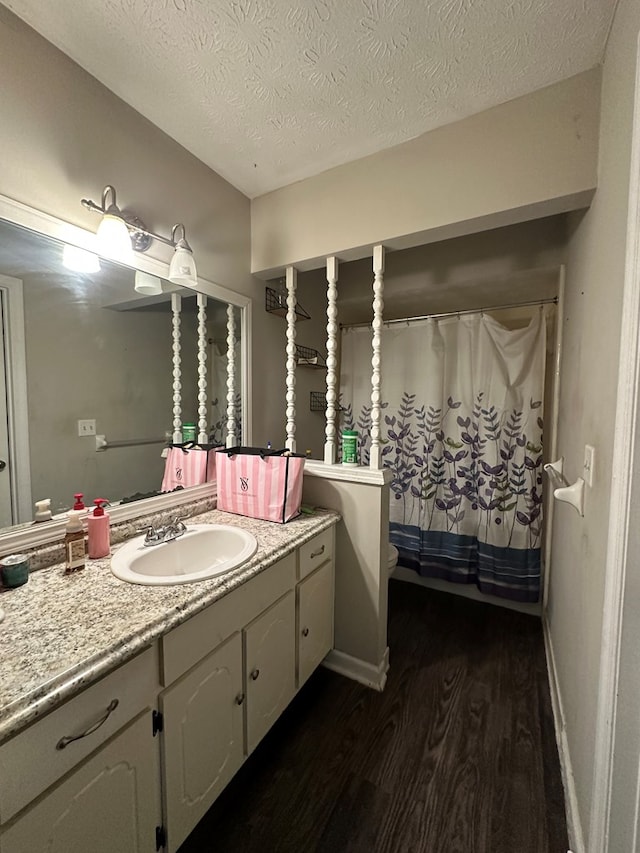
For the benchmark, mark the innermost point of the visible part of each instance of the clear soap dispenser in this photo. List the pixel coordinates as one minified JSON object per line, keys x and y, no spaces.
{"x":98,"y":530}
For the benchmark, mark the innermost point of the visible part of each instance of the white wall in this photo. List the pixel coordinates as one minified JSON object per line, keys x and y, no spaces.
{"x":533,"y":156}
{"x":592,"y":321}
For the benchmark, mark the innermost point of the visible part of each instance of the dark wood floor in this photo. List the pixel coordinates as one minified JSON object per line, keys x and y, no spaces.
{"x":456,"y":756}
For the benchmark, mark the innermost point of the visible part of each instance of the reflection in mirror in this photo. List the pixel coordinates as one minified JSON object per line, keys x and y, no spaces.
{"x":85,"y":353}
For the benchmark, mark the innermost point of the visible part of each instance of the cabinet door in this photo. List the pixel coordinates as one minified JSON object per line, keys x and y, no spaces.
{"x":111,"y":802}
{"x":315,"y":620}
{"x":270,"y":656}
{"x":203,"y":728}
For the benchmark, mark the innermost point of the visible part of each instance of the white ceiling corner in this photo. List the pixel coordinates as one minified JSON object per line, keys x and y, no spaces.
{"x":267,"y":92}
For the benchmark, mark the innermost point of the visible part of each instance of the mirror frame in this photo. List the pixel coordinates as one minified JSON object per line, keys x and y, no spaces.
{"x":33,"y":535}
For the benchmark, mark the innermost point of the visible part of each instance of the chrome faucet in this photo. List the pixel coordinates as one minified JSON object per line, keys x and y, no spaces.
{"x":175,"y":528}
{"x":167,"y":533}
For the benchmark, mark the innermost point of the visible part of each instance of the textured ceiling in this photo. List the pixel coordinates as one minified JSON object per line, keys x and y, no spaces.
{"x":267,"y":92}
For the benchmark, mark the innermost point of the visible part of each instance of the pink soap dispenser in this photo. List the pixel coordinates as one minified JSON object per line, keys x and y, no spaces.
{"x":98,"y":530}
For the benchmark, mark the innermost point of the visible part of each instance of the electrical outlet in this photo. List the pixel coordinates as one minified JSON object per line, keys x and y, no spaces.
{"x":87,"y":427}
{"x":589,"y":464}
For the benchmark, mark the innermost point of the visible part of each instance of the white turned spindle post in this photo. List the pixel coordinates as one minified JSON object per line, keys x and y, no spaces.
{"x":231,"y":376}
{"x":332,"y":362}
{"x":203,"y":432}
{"x":176,"y":308}
{"x":375,"y":455}
{"x":292,"y":280}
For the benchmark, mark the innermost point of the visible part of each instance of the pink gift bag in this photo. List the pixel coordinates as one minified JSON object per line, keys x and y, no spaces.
{"x":260,"y":483}
{"x":211,"y":466}
{"x":187,"y":465}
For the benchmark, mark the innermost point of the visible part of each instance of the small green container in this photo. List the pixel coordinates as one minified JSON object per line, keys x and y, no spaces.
{"x":188,"y":432}
{"x":349,"y":447}
{"x":14,"y":570}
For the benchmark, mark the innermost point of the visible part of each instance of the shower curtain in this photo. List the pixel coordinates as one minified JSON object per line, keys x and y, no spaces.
{"x":461,"y":430}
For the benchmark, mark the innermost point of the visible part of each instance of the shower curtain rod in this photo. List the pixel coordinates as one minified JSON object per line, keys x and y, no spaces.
{"x":553,"y":300}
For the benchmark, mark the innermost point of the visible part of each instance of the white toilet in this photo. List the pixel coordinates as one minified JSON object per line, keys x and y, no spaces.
{"x":392,"y":558}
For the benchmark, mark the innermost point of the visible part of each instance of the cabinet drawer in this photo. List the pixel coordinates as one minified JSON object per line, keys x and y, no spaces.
{"x":190,"y":642}
{"x":31,"y":761}
{"x":314,"y":553}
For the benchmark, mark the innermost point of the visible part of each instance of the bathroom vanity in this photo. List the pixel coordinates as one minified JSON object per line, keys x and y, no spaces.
{"x":125,"y":709}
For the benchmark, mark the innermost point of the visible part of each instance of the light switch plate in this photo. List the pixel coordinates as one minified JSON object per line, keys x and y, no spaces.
{"x":87,"y":427}
{"x":589,"y":464}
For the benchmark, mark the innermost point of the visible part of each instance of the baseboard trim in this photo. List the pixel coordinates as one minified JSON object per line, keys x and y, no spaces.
{"x":574,"y":826}
{"x":359,"y":670}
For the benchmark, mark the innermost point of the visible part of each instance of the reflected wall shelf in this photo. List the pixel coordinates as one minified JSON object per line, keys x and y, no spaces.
{"x":308,"y":357}
{"x":276,"y":303}
{"x":317,"y":401}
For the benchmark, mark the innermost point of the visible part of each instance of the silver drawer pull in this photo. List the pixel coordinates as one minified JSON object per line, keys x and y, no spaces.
{"x":67,"y":739}
{"x":316,"y":553}
{"x":255,"y":674}
{"x":305,"y":632}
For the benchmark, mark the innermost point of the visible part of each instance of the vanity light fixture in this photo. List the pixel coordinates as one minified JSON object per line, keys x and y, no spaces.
{"x":79,"y":260}
{"x":121,"y":232}
{"x":112,"y":237}
{"x":147,"y":284}
{"x":182,"y":269}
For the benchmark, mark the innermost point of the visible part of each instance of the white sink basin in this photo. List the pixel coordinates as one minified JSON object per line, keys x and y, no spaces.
{"x":204,"y":551}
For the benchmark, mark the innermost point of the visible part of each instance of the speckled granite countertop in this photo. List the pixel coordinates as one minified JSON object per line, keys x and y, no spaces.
{"x":61,"y":633}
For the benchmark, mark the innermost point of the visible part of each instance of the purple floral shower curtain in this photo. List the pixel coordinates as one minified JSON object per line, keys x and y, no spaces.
{"x":462,"y":433}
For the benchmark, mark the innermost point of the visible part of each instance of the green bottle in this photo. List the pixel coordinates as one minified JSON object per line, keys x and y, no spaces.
{"x":188,"y":432}
{"x":349,"y":447}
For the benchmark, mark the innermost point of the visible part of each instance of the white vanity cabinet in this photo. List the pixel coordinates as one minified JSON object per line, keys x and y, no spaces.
{"x":95,"y":763}
{"x":228,"y":670}
{"x":206,"y":710}
{"x":231,"y":670}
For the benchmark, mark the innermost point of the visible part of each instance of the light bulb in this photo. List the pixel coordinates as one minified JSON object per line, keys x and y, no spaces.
{"x":147,"y":284}
{"x":182,"y":269}
{"x":113,"y":239}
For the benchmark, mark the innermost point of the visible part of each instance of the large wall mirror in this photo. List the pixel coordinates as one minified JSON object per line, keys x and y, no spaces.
{"x":82,"y":349}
